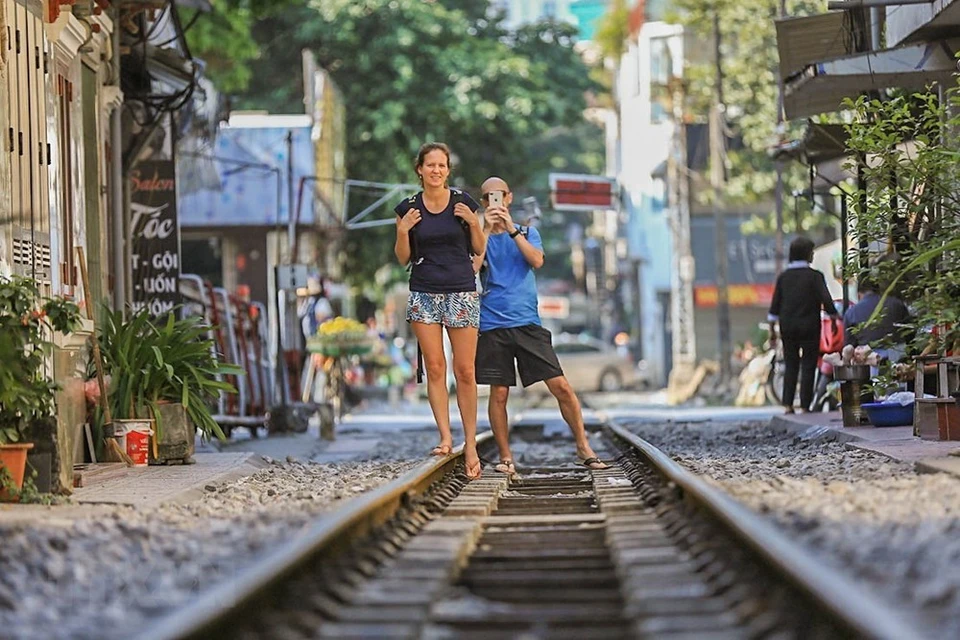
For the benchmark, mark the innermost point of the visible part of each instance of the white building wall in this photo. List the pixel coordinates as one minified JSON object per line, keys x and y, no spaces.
{"x":645,"y":145}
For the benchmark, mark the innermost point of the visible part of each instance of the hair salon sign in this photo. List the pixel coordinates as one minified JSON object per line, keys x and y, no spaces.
{"x":155,"y":233}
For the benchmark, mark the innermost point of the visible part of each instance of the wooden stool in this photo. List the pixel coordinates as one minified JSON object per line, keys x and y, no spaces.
{"x":937,"y":418}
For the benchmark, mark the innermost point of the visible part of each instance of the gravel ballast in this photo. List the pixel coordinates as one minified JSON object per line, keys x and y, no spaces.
{"x":891,"y":528}
{"x":103,"y":576}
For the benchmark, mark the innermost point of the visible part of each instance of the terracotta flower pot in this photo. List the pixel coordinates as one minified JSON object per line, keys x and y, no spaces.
{"x":13,"y":459}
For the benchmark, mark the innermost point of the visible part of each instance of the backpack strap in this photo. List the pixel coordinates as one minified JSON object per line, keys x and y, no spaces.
{"x":411,"y":203}
{"x":456,"y":195}
{"x":419,"y":364}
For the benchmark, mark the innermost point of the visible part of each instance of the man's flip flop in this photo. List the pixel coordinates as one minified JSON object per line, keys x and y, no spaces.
{"x":590,"y":462}
{"x":441,"y":450}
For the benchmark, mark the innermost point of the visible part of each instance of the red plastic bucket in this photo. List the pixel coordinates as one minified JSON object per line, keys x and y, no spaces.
{"x":134,"y":436}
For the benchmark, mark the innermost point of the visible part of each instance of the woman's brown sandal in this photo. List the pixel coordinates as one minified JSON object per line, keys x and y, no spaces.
{"x":506,"y":466}
{"x":441,"y":450}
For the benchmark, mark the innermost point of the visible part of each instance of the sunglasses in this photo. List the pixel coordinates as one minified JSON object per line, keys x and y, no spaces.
{"x":486,"y":196}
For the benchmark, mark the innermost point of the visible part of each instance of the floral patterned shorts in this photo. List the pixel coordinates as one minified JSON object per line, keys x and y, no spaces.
{"x":453,"y":310}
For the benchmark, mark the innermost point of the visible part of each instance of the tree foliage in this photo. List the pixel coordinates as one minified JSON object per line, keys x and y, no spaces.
{"x":223,"y":39}
{"x":613,"y":30}
{"x":412,"y":71}
{"x":750,"y":66}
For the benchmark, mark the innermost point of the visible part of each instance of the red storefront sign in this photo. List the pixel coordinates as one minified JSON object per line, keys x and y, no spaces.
{"x":582,"y":192}
{"x":739,"y":295}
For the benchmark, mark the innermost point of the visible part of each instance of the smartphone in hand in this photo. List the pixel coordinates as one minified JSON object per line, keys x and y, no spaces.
{"x":495,"y":199}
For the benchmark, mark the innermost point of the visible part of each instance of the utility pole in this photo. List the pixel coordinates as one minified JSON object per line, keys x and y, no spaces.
{"x":717,"y":178}
{"x":778,"y":191}
{"x":684,"y":343}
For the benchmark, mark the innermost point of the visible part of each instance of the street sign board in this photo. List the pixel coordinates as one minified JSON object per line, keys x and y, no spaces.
{"x":291,"y":276}
{"x":582,"y":192}
{"x":155,"y":233}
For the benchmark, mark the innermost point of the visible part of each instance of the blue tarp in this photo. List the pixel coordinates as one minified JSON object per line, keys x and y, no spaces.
{"x":248,"y":195}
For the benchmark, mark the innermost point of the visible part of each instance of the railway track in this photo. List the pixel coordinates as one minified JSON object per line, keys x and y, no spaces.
{"x":641,"y":550}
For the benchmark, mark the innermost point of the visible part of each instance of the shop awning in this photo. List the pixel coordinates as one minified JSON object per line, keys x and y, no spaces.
{"x":820,"y":143}
{"x":810,"y":39}
{"x":822,"y":86}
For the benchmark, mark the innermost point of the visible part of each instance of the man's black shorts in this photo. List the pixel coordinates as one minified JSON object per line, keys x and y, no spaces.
{"x":530,"y":346}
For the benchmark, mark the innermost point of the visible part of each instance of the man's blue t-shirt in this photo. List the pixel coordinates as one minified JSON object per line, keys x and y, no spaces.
{"x":509,"y":286}
{"x":443,"y":262}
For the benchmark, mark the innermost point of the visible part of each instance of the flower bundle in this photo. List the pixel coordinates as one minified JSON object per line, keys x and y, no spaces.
{"x":850,"y":355}
{"x":340,"y":336}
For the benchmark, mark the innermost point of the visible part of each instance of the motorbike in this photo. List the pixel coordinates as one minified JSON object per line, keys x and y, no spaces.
{"x":826,"y":390}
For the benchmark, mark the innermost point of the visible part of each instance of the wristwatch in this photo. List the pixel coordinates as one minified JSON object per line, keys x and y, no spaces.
{"x":515,"y":233}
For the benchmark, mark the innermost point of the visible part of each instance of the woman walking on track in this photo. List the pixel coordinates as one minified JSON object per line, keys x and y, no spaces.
{"x":438,"y":232}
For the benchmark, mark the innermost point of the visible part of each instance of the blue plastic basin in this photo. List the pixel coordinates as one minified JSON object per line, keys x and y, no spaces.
{"x":889,"y":414}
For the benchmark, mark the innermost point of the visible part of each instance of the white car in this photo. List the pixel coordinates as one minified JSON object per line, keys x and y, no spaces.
{"x":592,"y":365}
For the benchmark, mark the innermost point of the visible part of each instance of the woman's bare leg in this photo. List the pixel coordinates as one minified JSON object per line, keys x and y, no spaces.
{"x":464,"y":343}
{"x":430,"y":337}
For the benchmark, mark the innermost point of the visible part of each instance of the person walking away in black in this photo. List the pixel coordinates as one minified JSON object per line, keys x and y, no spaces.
{"x":801,"y":292}
{"x":438,"y":232}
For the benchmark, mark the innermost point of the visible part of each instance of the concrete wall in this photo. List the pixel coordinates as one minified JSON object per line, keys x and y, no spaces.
{"x":744,"y":323}
{"x":5,"y":187}
{"x":904,"y":20}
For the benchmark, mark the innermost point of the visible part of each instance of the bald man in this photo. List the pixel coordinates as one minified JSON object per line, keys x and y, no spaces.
{"x":511,"y":335}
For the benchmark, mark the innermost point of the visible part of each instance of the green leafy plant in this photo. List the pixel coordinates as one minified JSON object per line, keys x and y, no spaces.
{"x":28,"y":493}
{"x":491,"y":86}
{"x":908,"y":213}
{"x":889,"y":379}
{"x":27,"y":322}
{"x":169,"y":361}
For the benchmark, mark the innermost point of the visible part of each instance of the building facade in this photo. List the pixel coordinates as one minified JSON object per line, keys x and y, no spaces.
{"x":71,"y":159}
{"x":520,"y":12}
{"x":60,"y":93}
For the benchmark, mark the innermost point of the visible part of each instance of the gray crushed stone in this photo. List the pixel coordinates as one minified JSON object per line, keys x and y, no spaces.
{"x":105,"y":576}
{"x":893,"y":529}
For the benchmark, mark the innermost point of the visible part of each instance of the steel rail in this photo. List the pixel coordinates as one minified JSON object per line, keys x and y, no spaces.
{"x":223,"y":603}
{"x":863,"y":614}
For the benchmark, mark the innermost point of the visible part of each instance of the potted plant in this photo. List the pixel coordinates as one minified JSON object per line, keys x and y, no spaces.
{"x":166,"y":371}
{"x":27,"y":395}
